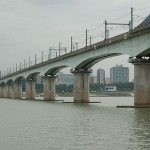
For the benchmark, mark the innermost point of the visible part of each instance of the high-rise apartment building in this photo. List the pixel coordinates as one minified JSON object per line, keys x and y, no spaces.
{"x":101,"y":76}
{"x":119,"y":74}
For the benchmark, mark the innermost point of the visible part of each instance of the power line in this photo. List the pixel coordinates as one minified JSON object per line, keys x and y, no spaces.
{"x":96,"y":27}
{"x":78,"y":36}
{"x":142,"y":8}
{"x":120,"y":17}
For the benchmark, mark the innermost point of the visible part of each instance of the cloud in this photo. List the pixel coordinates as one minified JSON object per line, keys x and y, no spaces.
{"x":52,"y":3}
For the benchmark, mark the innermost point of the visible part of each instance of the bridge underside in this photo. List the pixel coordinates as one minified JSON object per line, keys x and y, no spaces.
{"x":55,"y":70}
{"x":87,"y":64}
{"x":145,"y":53}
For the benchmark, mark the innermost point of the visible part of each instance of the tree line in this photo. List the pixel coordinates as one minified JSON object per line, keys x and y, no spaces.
{"x":128,"y":86}
{"x":64,"y":88}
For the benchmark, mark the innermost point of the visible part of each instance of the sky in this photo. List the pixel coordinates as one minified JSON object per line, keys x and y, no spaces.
{"x":28,"y":27}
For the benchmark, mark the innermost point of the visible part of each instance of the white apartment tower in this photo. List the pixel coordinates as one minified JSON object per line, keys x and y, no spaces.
{"x":101,"y":76}
{"x":119,"y":74}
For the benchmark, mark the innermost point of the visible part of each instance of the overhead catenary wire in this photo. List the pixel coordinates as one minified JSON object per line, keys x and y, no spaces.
{"x":120,"y":17}
{"x":139,"y":9}
{"x":101,"y":25}
{"x":78,"y":36}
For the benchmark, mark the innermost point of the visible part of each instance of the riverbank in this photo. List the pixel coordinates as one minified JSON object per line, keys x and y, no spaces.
{"x":108,"y":94}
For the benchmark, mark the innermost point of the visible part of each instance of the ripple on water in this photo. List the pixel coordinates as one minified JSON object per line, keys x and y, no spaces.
{"x":32,"y":125}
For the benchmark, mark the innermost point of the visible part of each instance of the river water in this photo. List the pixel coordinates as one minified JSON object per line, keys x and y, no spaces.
{"x":39,"y":125}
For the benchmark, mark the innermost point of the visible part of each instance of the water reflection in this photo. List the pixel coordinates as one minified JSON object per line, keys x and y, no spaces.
{"x":140,"y":137}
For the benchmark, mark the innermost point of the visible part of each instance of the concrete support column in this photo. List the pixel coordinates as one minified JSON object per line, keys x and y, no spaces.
{"x":49,"y":87}
{"x":1,"y":91}
{"x":81,"y":85}
{"x":141,"y":82}
{"x":4,"y":90}
{"x":11,"y":90}
{"x":30,"y":89}
{"x":18,"y":90}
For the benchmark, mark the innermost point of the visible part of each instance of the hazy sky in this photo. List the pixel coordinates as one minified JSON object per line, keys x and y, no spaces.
{"x":28,"y":27}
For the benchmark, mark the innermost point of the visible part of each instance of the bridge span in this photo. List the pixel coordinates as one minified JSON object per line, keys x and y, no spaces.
{"x":135,"y":43}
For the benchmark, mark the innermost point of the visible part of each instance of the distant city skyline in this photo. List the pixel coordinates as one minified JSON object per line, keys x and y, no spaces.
{"x":115,"y":61}
{"x":98,"y":77}
{"x":106,"y":66}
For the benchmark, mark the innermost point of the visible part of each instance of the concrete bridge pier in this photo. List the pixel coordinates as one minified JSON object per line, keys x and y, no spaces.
{"x":18,"y":90}
{"x":81,"y":85}
{"x":11,"y":90}
{"x":30,"y":89}
{"x":141,"y":82}
{"x":6,"y":91}
{"x":1,"y":91}
{"x":49,"y":87}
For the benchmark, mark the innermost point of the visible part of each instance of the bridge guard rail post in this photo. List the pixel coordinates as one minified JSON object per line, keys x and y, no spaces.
{"x":49,"y":87}
{"x":81,"y":85}
{"x":141,"y":82}
{"x":30,"y":89}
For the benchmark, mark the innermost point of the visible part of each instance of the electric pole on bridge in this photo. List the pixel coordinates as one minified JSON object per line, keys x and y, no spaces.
{"x":57,"y":50}
{"x":71,"y":44}
{"x":130,"y":24}
{"x":86,"y":37}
